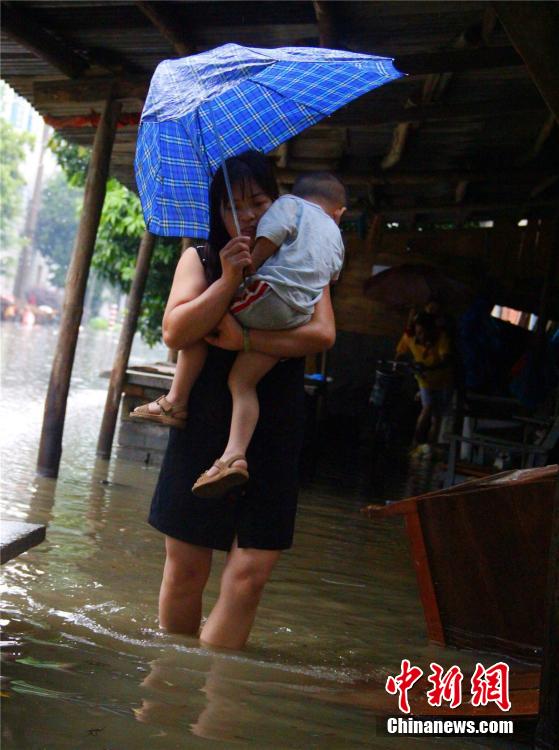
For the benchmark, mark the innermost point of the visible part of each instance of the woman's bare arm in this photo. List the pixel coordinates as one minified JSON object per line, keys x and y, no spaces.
{"x":194,"y":308}
{"x":315,"y":336}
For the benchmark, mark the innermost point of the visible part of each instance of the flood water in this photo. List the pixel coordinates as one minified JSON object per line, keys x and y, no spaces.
{"x":84,"y":664}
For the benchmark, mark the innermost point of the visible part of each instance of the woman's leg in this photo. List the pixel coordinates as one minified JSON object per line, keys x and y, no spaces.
{"x":185,"y":574}
{"x":242,"y":582}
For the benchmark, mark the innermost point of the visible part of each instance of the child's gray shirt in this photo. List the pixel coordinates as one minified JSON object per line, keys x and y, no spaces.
{"x":310,"y":251}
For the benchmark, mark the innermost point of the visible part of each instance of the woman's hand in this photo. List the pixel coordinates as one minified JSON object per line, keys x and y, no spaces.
{"x":227,"y":335}
{"x":235,"y":257}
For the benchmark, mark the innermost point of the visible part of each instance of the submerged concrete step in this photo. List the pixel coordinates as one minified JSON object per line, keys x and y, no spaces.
{"x":17,"y":537}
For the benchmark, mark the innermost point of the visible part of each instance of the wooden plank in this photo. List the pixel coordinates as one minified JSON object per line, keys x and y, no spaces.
{"x":422,"y":567}
{"x":17,"y":537}
{"x":547,"y":733}
{"x":91,"y":90}
{"x":26,"y":31}
{"x":50,"y":448}
{"x":504,"y":205}
{"x":167,"y":27}
{"x":489,"y":573}
{"x":359,"y":179}
{"x":365,"y":112}
{"x":457,"y":60}
{"x":326,"y":24}
{"x":533,"y":28}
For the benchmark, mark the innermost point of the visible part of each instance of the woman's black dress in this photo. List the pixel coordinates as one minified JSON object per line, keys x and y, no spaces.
{"x":262,"y":514}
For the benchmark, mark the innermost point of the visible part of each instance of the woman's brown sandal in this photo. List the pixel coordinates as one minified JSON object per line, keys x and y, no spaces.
{"x":172,"y":415}
{"x":227,"y":477}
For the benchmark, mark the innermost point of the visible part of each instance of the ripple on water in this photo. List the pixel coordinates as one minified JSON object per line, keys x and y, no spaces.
{"x":84,"y":656}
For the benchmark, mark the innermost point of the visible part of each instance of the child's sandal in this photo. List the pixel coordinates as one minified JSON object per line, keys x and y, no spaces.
{"x":227,"y":477}
{"x":172,"y":415}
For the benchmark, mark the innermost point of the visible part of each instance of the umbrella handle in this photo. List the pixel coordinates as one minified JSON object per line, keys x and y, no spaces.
{"x":225,"y":172}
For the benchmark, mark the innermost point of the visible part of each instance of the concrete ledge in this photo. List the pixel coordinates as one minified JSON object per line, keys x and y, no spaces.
{"x":17,"y":537}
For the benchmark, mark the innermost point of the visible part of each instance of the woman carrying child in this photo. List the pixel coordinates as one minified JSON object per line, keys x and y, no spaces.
{"x":254,"y":525}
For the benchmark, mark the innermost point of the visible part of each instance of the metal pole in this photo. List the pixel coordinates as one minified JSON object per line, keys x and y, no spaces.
{"x":225,"y":172}
{"x":50,"y":448}
{"x":118,"y":373}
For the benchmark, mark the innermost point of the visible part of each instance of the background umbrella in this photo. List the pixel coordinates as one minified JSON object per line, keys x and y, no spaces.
{"x":203,"y":109}
{"x":414,"y":285}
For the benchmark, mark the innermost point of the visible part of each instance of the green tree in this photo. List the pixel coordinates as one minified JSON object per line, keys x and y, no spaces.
{"x":116,"y":249}
{"x":118,"y":239}
{"x":73,"y":159}
{"x":57,"y":225}
{"x":13,"y":147}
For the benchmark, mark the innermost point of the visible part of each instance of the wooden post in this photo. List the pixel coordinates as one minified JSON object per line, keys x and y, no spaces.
{"x":547,"y":732}
{"x":118,"y":373}
{"x":50,"y":448}
{"x":533,"y":28}
{"x":548,"y":283}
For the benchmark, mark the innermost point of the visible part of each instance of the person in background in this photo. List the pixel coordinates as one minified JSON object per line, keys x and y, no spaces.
{"x":430,"y":347}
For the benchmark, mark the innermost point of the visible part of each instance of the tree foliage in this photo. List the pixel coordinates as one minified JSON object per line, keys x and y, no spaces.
{"x":13,"y":147}
{"x":73,"y":159}
{"x":118,"y":239}
{"x":57,"y":225}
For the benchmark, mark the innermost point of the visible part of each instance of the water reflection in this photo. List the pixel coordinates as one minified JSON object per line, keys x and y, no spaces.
{"x":84,"y":657}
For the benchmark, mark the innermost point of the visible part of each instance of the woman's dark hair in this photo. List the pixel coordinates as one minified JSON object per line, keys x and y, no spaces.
{"x":250,"y":165}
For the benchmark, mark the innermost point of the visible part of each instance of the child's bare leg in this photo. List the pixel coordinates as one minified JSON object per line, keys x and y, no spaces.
{"x":189,"y":365}
{"x":248,"y":370}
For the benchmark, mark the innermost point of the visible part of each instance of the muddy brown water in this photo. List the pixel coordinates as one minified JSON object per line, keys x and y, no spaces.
{"x":84,"y":664}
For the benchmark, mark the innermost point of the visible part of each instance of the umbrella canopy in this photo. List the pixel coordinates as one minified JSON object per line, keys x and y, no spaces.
{"x":205,"y":108}
{"x":414,"y":285}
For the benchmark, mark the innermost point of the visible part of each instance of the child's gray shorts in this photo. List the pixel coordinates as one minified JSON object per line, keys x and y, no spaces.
{"x":270,"y":312}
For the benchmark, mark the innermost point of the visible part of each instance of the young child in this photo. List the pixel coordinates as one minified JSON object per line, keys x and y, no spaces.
{"x":298,"y":251}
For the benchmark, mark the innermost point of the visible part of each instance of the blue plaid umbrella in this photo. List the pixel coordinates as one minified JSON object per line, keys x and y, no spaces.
{"x":203,"y":109}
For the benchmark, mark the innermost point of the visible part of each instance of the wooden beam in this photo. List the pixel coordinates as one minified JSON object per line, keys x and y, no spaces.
{"x":22,"y":28}
{"x":365,"y":112}
{"x":543,"y":185}
{"x":118,"y":373}
{"x":453,"y":208}
{"x":90,"y":90}
{"x":542,"y":137}
{"x":326,"y":25}
{"x":533,"y":28}
{"x":457,"y":60}
{"x":520,"y":176}
{"x":460,"y":192}
{"x":167,"y":27}
{"x":358,"y":114}
{"x":397,"y":146}
{"x":50,"y":449}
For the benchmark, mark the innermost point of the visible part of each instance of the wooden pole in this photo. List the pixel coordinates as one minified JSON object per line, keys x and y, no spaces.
{"x":548,"y":283}
{"x":50,"y":448}
{"x":118,"y":373}
{"x":547,"y":732}
{"x":533,"y":28}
